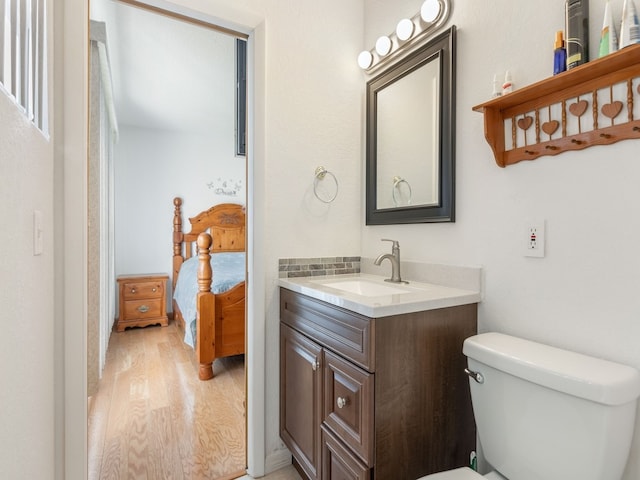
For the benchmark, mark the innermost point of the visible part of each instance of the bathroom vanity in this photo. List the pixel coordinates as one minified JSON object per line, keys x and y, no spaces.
{"x":370,"y":387}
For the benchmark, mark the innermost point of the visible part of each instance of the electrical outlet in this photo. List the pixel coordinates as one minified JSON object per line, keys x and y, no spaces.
{"x":534,"y":239}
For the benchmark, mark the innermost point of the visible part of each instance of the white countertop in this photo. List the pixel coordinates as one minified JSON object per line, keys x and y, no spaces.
{"x":416,"y":296}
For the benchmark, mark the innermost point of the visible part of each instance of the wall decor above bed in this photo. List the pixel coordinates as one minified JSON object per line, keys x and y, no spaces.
{"x":209,"y":271}
{"x":228,"y":187}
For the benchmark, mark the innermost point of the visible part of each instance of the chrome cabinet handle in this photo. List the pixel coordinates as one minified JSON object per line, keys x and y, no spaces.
{"x":143,"y":309}
{"x":477,"y":376}
{"x":342,"y":402}
{"x":315,"y":365}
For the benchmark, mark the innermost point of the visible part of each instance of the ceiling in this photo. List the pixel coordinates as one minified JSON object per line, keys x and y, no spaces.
{"x":167,"y":74}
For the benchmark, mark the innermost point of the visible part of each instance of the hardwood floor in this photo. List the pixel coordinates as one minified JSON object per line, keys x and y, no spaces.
{"x":153,"y":419}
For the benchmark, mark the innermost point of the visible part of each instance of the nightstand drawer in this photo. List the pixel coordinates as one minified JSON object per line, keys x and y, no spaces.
{"x":135,"y":290}
{"x":148,"y":308}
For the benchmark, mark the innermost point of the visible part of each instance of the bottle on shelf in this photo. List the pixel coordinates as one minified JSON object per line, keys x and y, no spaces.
{"x":630,"y":27}
{"x":507,"y":86}
{"x":577,"y":29}
{"x":559,"y":55}
{"x":497,"y":90}
{"x":608,"y":34}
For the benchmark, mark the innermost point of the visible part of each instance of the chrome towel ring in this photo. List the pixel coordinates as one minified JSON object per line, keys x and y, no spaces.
{"x":397,"y":182}
{"x":324,"y":196}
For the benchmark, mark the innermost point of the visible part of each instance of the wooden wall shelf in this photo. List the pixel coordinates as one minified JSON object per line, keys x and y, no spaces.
{"x":593,"y":104}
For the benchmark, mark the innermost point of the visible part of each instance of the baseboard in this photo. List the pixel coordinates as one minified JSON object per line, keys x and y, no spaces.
{"x":277,"y":460}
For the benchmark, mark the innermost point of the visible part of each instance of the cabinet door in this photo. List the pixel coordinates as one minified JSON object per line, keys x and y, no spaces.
{"x":301,"y":399}
{"x":348,"y":404}
{"x":338,"y":463}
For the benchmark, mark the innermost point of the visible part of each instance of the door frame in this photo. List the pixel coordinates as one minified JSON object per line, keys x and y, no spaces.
{"x":71,"y":137}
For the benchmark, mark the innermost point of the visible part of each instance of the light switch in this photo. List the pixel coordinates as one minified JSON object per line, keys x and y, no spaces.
{"x":38,"y":234}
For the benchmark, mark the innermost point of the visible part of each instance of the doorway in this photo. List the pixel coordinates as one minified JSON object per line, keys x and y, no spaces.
{"x":163,"y":123}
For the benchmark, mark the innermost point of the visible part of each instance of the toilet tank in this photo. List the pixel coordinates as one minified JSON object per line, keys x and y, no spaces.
{"x":544,"y":413}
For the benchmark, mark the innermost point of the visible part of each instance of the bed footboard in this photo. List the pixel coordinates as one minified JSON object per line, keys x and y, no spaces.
{"x":205,"y":341}
{"x":220,"y":330}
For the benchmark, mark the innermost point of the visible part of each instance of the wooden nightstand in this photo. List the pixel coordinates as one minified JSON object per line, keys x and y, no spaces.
{"x":143,"y":301}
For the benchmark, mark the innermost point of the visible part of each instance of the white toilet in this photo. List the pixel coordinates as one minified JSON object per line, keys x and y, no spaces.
{"x":547,"y":414}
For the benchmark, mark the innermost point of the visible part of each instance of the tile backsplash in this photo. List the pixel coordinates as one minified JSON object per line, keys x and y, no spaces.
{"x":309,"y":267}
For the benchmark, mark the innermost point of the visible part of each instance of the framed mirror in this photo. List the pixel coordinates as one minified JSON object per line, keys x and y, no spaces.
{"x":410,"y":149}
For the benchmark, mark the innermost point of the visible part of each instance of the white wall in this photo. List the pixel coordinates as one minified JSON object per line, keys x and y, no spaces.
{"x":27,"y":299}
{"x":584,"y":294}
{"x":151,"y":168}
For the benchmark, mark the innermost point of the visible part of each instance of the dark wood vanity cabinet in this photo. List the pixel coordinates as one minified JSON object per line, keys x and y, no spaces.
{"x":383,"y":398}
{"x":301,"y":398}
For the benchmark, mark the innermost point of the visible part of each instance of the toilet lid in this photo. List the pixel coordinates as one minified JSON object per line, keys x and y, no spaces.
{"x":457,"y":474}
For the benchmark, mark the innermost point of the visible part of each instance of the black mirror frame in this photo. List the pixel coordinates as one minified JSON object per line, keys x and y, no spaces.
{"x":444,"y":46}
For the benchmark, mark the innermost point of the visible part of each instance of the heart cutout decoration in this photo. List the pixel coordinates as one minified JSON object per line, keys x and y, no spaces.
{"x":525,"y":122}
{"x":550,"y":127}
{"x":578,"y":108}
{"x":612,"y":110}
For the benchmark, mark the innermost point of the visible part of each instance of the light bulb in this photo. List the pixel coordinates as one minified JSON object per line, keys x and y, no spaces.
{"x":383,"y":46}
{"x":365,"y":59}
{"x":404,"y":30}
{"x":430,"y":10}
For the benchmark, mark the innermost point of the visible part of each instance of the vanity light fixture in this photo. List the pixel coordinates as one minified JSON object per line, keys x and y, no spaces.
{"x":429,"y":11}
{"x":405,"y":29}
{"x":365,"y":59}
{"x":383,"y":46}
{"x":409,"y":31}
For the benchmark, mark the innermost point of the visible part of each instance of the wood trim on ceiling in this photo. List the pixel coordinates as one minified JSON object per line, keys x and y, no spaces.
{"x":185,"y":18}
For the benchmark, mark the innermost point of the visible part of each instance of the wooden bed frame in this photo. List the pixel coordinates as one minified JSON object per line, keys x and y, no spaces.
{"x":221,"y":317}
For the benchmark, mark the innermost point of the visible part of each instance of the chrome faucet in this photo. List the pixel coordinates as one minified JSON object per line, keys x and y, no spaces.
{"x":394,"y":258}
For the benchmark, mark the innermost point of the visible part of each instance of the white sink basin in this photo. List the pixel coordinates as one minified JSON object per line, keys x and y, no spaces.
{"x":366,"y":288}
{"x":371,"y":296}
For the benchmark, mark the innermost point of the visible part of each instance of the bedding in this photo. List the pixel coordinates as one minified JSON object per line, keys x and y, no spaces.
{"x":228,"y":270}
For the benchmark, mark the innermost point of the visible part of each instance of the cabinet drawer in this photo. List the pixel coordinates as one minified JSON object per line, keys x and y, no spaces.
{"x":144,"y":308}
{"x":135,"y":290}
{"x":343,"y":332}
{"x":348,"y":405}
{"x":338,"y":463}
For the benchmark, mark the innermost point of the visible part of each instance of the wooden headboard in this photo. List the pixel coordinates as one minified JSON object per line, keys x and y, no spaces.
{"x":226,"y":223}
